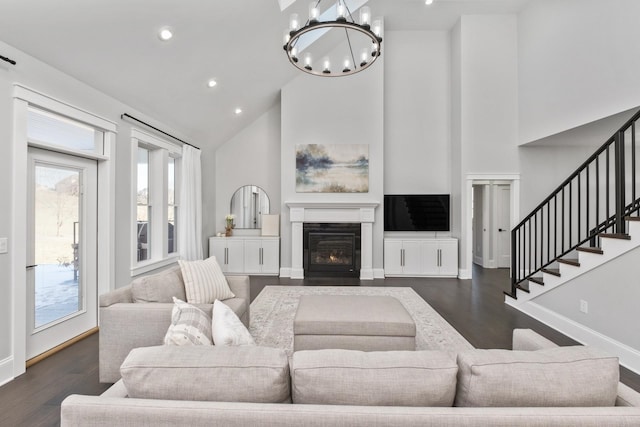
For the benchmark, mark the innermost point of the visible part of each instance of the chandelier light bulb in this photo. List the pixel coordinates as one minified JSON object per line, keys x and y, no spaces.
{"x":286,"y":37}
{"x":428,"y":2}
{"x":364,"y":56}
{"x":308,"y":59}
{"x":365,"y":16}
{"x":314,"y":12}
{"x":212,"y":83}
{"x":294,"y":22}
{"x":294,"y":54}
{"x":341,"y":12}
{"x":374,"y":50}
{"x":377,"y":28}
{"x":327,"y":66}
{"x":347,"y":65}
{"x":238,"y":111}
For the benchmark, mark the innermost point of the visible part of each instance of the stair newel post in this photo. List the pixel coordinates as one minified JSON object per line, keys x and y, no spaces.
{"x":620,"y":182}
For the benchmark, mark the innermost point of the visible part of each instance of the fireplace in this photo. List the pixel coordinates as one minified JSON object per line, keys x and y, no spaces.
{"x":331,"y":249}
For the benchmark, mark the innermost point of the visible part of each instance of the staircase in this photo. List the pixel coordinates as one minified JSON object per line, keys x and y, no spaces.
{"x":591,"y":218}
{"x":577,"y":263}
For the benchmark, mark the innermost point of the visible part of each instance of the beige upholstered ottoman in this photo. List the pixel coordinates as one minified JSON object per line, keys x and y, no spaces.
{"x":352,"y":322}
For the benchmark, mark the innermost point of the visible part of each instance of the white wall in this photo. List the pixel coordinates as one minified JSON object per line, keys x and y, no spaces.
{"x":417,"y":146}
{"x":342,"y":110}
{"x":612,"y":294}
{"x":252,"y":157}
{"x":43,"y":78}
{"x":484,"y":110}
{"x":578,"y":63}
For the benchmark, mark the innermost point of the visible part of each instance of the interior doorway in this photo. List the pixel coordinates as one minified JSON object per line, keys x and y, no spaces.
{"x":491,"y":224}
{"x":491,"y":210}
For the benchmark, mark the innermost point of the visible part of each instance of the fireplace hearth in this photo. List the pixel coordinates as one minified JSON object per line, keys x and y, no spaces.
{"x":331,"y":249}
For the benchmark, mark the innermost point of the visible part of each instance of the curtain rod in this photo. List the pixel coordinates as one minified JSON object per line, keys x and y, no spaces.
{"x":10,"y":61}
{"x":125,"y":115}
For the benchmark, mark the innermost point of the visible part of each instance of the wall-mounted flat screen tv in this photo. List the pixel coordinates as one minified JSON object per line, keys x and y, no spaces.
{"x":416,"y":212}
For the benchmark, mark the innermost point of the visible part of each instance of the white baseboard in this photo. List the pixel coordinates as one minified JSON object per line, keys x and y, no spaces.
{"x":464,"y":274}
{"x":285,"y":272}
{"x":378,"y":273}
{"x":6,"y":370}
{"x":629,"y":356}
{"x":366,"y":274}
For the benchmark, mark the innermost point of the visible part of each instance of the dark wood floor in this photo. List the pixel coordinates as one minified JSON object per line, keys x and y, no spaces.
{"x":475,"y":308}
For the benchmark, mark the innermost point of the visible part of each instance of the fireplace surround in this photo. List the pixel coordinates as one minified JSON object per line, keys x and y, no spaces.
{"x":362,"y":213}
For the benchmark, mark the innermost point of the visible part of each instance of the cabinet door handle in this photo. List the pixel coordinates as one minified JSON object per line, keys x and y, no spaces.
{"x":402,"y":257}
{"x":261,"y":257}
{"x":226,"y":256}
{"x":439,"y":257}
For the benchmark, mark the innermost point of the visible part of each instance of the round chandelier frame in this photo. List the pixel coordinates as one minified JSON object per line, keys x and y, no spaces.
{"x":350,"y":66}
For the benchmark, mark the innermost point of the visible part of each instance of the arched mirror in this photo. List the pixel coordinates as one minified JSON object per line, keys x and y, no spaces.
{"x":248,"y":204}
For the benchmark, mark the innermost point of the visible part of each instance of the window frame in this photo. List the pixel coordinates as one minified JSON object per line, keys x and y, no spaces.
{"x":159,"y":152}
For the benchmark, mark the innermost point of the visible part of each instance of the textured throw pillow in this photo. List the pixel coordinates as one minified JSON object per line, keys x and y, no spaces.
{"x":204,"y":282}
{"x":227,"y":329}
{"x":562,"y":376}
{"x":189,"y":325}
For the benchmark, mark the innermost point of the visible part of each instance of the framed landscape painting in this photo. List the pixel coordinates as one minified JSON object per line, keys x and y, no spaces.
{"x":326,"y":168}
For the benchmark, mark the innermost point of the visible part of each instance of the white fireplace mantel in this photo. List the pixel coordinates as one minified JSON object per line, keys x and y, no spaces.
{"x":335,"y":212}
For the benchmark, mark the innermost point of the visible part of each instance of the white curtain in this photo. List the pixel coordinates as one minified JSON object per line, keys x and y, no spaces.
{"x":190,"y":208}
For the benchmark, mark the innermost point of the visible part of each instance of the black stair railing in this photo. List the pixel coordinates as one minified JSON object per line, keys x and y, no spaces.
{"x":594,"y":199}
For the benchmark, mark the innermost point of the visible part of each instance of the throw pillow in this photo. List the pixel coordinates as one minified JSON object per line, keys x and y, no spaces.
{"x":227,"y":329}
{"x":562,"y":376}
{"x":189,"y":325}
{"x":204,"y":282}
{"x":160,"y":287}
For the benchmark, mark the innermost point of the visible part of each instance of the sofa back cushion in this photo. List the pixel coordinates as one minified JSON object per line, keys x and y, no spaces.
{"x":208,"y":373}
{"x":159,"y":287}
{"x":385,"y":378}
{"x":561,"y":376}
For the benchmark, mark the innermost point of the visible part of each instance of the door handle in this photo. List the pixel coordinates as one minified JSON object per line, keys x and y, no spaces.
{"x":500,"y":229}
{"x":226,"y":255}
{"x":31,"y":266}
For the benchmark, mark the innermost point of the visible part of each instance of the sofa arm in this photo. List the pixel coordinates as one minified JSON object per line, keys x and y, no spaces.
{"x":124,"y":327}
{"x":116,"y":296}
{"x":528,"y":340}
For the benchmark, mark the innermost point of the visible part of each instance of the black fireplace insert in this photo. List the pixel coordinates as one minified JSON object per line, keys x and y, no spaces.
{"x":331,"y":249}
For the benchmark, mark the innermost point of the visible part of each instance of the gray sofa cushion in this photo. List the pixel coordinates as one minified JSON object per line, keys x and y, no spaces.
{"x":389,"y":378}
{"x":224,"y":374}
{"x":562,"y":376}
{"x":159,"y":287}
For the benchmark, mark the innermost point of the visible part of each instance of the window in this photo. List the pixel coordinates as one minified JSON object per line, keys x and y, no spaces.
{"x":172,"y":206}
{"x":156,"y":187}
{"x":143,"y":209}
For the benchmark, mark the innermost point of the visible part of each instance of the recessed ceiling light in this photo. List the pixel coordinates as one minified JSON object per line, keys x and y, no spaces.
{"x":238,"y":110}
{"x":165,"y":33}
{"x":212,"y":83}
{"x":428,"y":2}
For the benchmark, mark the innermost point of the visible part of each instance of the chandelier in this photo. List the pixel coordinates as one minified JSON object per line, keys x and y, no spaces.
{"x":358,"y":44}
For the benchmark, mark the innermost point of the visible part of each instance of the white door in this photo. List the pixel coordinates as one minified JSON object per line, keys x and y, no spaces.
{"x":235,"y":255}
{"x":503,"y":222}
{"x":253,"y":256}
{"x":430,"y":258}
{"x":392,"y":257}
{"x":62,"y":250}
{"x":448,"y":257}
{"x":271,"y":256}
{"x":412,"y":258}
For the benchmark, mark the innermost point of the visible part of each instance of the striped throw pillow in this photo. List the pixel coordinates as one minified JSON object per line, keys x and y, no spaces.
{"x":189,"y":325}
{"x":204,"y":282}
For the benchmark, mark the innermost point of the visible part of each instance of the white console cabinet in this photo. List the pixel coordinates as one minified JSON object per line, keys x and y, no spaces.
{"x":436,"y":257}
{"x":247,"y":254}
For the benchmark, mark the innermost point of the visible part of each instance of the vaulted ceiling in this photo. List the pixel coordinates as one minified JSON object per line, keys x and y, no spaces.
{"x":113,"y":46}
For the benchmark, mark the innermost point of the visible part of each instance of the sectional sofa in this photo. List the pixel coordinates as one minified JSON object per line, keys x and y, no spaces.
{"x":537,"y":384}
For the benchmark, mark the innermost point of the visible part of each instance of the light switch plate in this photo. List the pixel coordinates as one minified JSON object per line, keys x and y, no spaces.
{"x":3,"y":245}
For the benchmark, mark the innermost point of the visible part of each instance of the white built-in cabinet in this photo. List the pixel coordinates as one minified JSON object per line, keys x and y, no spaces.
{"x":434,"y":257}
{"x":247,"y":254}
